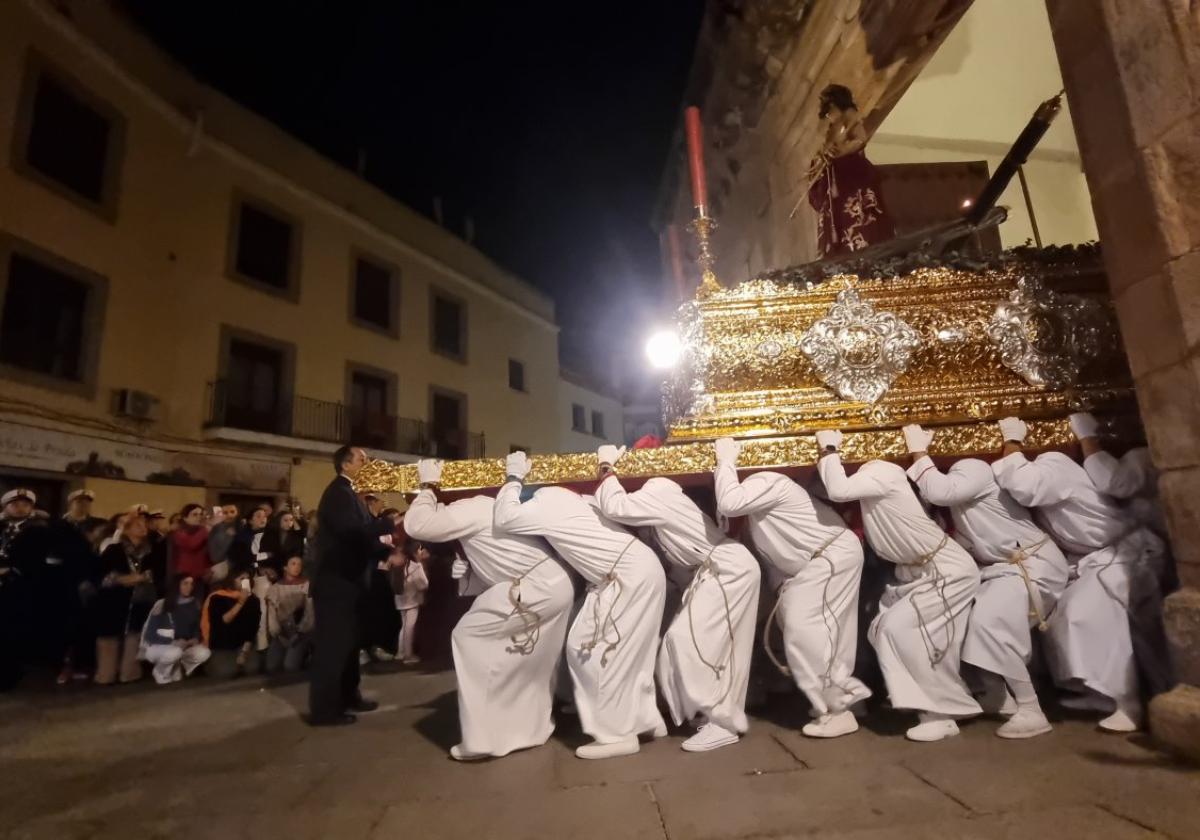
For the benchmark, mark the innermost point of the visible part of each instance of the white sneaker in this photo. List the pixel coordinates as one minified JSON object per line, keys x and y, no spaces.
{"x":382,"y":655}
{"x":625,"y":746}
{"x":459,"y":754}
{"x":1120,"y":721}
{"x":832,"y":725}
{"x":710,"y":736}
{"x":932,"y":730}
{"x":1026,"y":723}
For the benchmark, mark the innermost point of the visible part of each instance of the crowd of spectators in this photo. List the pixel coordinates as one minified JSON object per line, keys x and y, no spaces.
{"x":217,"y":589}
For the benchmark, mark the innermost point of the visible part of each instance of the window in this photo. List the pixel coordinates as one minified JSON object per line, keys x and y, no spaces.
{"x":578,"y":418}
{"x":265,"y":245}
{"x":449,"y":327}
{"x":252,"y":393}
{"x":516,"y":375}
{"x":51,"y":318}
{"x":68,"y":139}
{"x":374,"y":296}
{"x":371,"y":399}
{"x":448,"y":424}
{"x":598,"y":423}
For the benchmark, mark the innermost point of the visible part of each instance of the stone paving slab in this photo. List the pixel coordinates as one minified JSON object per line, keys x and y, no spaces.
{"x":1084,"y":823}
{"x":699,"y":808}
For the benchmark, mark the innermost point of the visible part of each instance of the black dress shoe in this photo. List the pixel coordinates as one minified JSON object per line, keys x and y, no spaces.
{"x":362,"y":705}
{"x":344,"y":719}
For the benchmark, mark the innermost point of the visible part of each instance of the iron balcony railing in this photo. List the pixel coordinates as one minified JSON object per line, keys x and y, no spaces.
{"x":334,"y":422}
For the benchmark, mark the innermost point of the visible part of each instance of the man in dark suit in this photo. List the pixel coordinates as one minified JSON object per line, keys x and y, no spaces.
{"x":349,"y":542}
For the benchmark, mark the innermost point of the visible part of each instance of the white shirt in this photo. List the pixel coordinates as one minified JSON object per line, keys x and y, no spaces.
{"x":592,"y":545}
{"x":494,"y":557}
{"x":1079,"y":517}
{"x":686,"y":535}
{"x":988,"y":519}
{"x":787,"y":524}
{"x":896,"y":525}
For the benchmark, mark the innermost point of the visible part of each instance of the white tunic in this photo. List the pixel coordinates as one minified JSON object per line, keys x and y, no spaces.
{"x":821,"y":562}
{"x":611,"y":644}
{"x":704,"y":659}
{"x":505,"y":658}
{"x":1024,"y":573}
{"x":1089,"y":645}
{"x":1133,"y":478}
{"x":919,"y":631}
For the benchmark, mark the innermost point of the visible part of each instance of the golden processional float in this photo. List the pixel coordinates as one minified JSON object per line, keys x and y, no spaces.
{"x":919,"y":329}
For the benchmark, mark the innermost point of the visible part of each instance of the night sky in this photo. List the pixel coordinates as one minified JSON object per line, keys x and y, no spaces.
{"x":549,"y":123}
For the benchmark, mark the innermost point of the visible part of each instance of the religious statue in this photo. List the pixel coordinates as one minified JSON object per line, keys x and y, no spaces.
{"x":843,"y":184}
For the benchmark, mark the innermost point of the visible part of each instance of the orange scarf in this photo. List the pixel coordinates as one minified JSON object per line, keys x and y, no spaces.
{"x":205,"y":626}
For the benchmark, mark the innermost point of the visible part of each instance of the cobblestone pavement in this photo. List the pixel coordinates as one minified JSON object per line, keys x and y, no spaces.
{"x":234,"y":760}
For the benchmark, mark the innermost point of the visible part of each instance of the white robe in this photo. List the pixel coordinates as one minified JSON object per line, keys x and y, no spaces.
{"x":612,"y":642}
{"x":922,"y":619}
{"x":819,"y":562}
{"x":1013,"y":596}
{"x":1133,"y":479}
{"x":704,"y":659}
{"x":505,"y":660}
{"x":1088,"y":645}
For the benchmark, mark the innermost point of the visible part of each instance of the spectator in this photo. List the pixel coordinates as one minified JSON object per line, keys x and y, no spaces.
{"x":374,"y":505}
{"x":247,"y":551}
{"x":220,"y":538}
{"x":189,"y":548}
{"x":23,"y":571}
{"x":283,"y":538}
{"x":229,"y":626}
{"x":410,"y":582}
{"x":160,"y":525}
{"x":289,"y":619}
{"x":310,"y":545}
{"x":71,"y":576}
{"x":171,"y":637}
{"x":131,"y":568}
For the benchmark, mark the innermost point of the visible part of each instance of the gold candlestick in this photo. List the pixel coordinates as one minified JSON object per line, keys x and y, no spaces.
{"x":702,"y":227}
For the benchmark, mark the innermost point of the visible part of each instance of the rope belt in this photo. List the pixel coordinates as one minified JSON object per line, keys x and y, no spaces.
{"x":709,"y":567}
{"x":600,"y":628}
{"x":937,"y":582}
{"x":525,"y":640}
{"x":1018,"y":559}
{"x":773,"y":618}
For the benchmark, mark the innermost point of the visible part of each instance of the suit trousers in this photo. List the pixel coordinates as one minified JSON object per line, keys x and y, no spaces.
{"x":333,"y":678}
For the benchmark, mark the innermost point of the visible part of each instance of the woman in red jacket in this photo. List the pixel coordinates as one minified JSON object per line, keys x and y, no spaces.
{"x":189,"y":548}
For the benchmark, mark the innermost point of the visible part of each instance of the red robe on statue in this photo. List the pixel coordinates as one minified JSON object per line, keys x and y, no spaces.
{"x":849,"y":204}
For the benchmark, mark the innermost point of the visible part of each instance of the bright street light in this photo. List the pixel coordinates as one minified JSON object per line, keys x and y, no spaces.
{"x":663,"y":349}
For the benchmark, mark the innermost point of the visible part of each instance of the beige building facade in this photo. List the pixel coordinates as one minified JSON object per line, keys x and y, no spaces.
{"x":197,"y":306}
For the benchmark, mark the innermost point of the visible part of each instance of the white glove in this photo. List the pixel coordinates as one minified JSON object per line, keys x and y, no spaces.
{"x":517,"y":465}
{"x":609,"y":454}
{"x":429,"y":471}
{"x":459,"y":568}
{"x":1084,"y":425}
{"x":727,"y":450}
{"x":829,"y":437}
{"x":1012,"y":428}
{"x":916,"y":438}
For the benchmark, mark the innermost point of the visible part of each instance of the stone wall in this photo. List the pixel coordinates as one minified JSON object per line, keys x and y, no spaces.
{"x":1132,"y":73}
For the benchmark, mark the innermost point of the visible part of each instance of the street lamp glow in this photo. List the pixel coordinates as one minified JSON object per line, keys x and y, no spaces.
{"x":663,"y":349}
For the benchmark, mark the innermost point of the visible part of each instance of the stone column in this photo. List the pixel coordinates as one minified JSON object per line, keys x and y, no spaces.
{"x":1132,"y":73}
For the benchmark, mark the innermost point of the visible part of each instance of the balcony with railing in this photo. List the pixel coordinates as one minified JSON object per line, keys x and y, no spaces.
{"x":335,"y":422}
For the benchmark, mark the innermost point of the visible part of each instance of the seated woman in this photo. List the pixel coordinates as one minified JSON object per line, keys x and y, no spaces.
{"x":229,"y":625}
{"x":171,"y":636}
{"x":289,"y":619}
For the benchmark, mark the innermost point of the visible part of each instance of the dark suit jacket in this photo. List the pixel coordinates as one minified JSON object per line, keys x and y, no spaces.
{"x":347,"y":535}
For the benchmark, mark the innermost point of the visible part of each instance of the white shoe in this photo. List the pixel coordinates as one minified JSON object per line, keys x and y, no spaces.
{"x":831,"y":726}
{"x":932,"y":730}
{"x":1026,"y":723}
{"x":710,"y":737}
{"x":382,"y":655}
{"x":1120,"y":721}
{"x":459,"y":754}
{"x":625,"y":746}
{"x":363,"y":658}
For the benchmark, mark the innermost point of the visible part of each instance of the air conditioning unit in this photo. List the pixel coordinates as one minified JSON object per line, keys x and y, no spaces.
{"x":135,"y":404}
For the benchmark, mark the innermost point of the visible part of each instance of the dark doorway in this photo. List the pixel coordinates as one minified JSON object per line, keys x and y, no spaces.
{"x":253,"y":388}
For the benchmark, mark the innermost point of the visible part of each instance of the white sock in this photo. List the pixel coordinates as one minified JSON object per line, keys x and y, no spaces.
{"x":1024,"y":693}
{"x":931,"y":717}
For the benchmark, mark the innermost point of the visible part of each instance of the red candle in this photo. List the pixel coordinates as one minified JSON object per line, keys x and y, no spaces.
{"x":695,"y":144}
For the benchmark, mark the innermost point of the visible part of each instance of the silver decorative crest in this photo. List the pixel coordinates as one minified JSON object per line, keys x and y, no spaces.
{"x":857,"y":351}
{"x":1046,"y":337}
